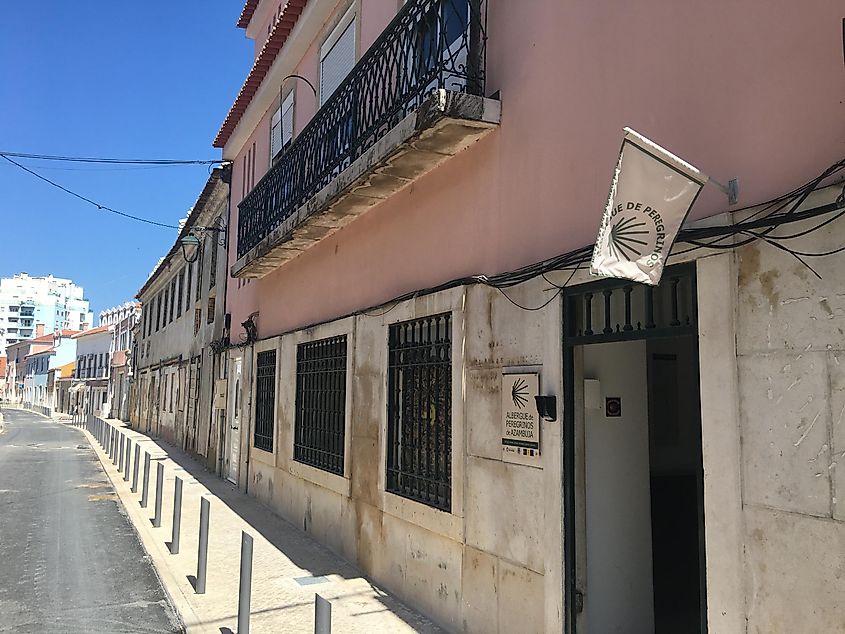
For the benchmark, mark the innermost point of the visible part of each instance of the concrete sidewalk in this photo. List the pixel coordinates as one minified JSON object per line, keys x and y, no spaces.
{"x":288,"y":569}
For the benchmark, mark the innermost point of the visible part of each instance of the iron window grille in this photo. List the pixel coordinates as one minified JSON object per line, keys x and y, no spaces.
{"x":319,"y":432}
{"x":419,"y":411}
{"x":429,"y":45}
{"x":265,"y":400}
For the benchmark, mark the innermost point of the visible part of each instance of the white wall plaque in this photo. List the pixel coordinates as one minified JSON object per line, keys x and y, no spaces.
{"x":520,"y":420}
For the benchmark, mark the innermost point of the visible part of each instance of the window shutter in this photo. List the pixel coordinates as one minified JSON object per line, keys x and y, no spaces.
{"x":276,"y":133}
{"x":287,"y":120}
{"x":337,"y":60}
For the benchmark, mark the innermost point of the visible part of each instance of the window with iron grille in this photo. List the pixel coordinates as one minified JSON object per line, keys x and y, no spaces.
{"x":419,"y":411}
{"x":265,"y":400}
{"x":321,"y":403}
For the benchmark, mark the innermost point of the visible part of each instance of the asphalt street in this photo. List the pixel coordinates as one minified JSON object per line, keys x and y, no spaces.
{"x":69,"y":559}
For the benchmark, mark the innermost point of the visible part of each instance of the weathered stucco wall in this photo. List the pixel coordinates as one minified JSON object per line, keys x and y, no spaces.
{"x":493,"y":564}
{"x":791,"y":368}
{"x":168,"y":357}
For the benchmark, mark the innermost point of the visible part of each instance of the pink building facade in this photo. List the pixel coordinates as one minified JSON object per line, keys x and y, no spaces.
{"x":390,"y":159}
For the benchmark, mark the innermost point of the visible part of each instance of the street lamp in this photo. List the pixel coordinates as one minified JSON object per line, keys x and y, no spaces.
{"x":192,"y":243}
{"x":190,"y":247}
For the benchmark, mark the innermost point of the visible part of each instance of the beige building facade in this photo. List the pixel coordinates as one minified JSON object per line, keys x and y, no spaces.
{"x":180,"y":331}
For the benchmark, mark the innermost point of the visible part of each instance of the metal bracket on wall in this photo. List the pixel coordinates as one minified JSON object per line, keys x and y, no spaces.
{"x":731,"y":190}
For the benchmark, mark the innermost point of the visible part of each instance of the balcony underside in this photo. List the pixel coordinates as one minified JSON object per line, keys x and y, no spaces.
{"x":445,"y":124}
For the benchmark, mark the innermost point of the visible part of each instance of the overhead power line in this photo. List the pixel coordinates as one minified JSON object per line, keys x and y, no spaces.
{"x":88,"y":200}
{"x":119,"y":161}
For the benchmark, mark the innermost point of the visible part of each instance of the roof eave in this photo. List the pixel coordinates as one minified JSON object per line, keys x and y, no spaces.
{"x":246,"y":13}
{"x":282,"y":29}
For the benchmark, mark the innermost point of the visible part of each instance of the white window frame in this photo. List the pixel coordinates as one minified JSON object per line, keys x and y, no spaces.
{"x":288,"y":104}
{"x":281,"y":135}
{"x":329,"y":43}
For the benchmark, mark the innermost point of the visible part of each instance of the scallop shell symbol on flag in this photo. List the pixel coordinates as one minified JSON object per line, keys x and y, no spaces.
{"x":650,"y":196}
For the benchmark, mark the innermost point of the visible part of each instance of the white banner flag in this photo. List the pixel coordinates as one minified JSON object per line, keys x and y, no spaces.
{"x":650,"y":197}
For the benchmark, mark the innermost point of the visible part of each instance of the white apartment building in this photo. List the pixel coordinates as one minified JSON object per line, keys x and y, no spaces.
{"x":25,"y":301}
{"x":121,"y":319}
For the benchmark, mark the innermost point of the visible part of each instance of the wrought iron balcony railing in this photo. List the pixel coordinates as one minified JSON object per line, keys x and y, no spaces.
{"x":429,"y":45}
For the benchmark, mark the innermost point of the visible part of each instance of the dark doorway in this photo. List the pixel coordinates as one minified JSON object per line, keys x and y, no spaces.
{"x":676,"y":476}
{"x":634,"y":548}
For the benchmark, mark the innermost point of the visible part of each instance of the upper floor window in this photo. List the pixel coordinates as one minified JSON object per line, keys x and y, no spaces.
{"x":281,"y":126}
{"x":337,"y":56}
{"x":188,"y":284}
{"x":166,"y":308}
{"x":212,"y":246}
{"x":199,"y":265}
{"x":172,"y":312}
{"x":180,"y":294}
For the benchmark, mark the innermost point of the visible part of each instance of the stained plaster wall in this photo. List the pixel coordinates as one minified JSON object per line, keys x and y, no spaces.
{"x":169,"y":354}
{"x":791,"y":389}
{"x":494,"y":563}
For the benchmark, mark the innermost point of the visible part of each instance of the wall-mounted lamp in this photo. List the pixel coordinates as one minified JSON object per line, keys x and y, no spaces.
{"x":191,"y":246}
{"x":547,"y":408}
{"x":192,"y":242}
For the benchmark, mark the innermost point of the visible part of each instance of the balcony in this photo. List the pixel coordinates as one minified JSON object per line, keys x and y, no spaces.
{"x":413,"y":100}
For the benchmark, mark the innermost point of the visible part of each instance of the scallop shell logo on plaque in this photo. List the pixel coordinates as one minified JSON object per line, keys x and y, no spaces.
{"x":519,"y":393}
{"x":520,"y":419}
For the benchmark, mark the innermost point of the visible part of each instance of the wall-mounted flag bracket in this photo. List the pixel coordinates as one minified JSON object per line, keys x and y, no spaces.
{"x":731,"y":190}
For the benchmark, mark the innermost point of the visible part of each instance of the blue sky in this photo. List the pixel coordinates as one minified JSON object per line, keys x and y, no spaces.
{"x":118,"y":79}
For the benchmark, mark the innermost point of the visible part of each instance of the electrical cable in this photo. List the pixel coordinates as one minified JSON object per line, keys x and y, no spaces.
{"x":119,"y":161}
{"x":551,"y":299}
{"x":88,"y":200}
{"x":697,"y":237}
{"x":94,"y":168}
